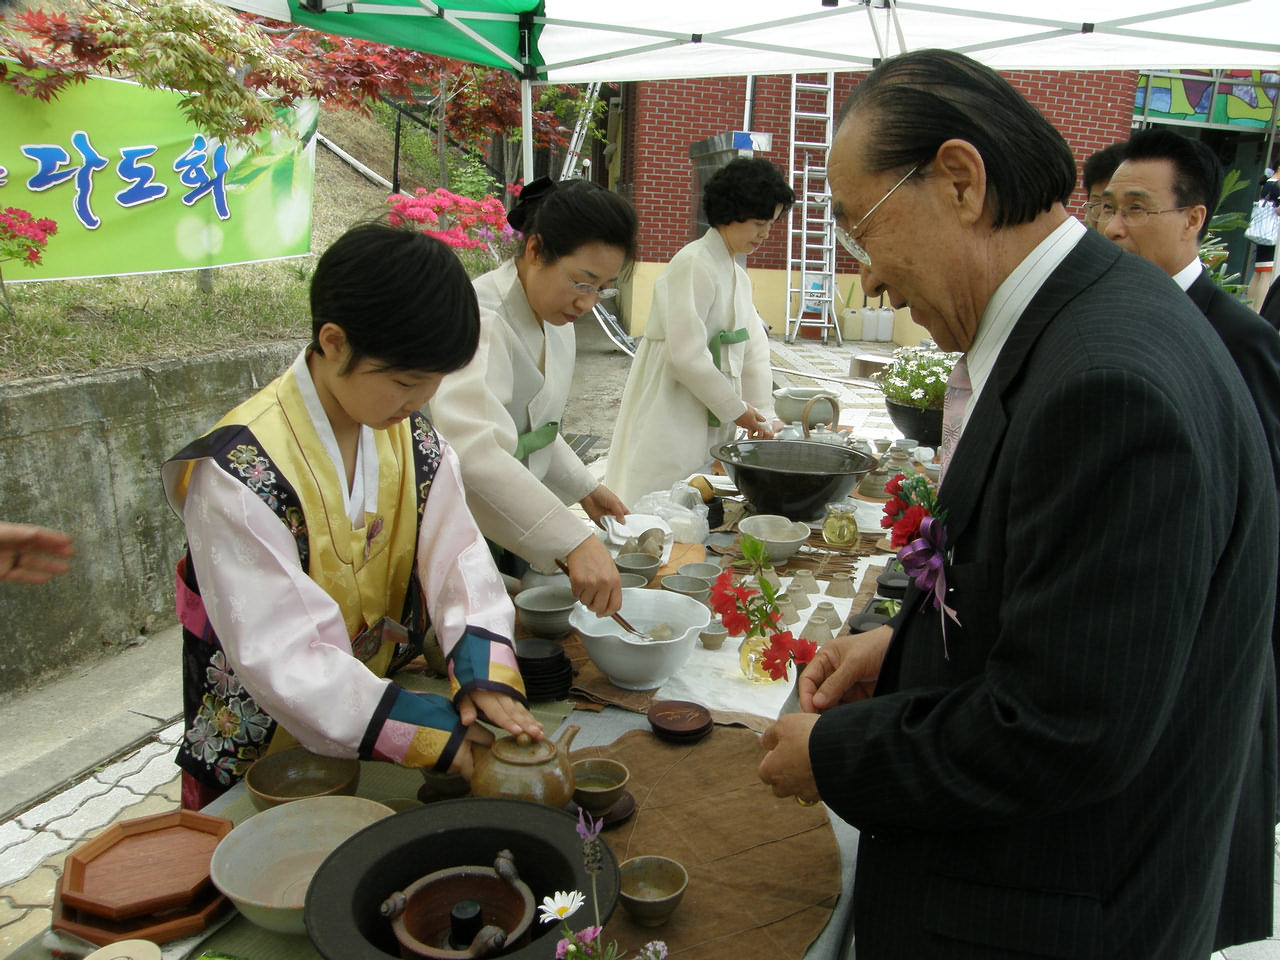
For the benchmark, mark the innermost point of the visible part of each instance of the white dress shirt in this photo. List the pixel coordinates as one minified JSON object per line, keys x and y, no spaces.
{"x":1011,"y":299}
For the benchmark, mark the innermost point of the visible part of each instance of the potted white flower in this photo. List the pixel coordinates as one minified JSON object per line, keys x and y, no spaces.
{"x":914,"y":384}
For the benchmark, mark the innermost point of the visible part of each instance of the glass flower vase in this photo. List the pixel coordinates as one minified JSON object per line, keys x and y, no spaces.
{"x":751,"y":659}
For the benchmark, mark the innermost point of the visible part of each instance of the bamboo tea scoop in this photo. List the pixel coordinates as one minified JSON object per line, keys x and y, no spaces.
{"x":618,"y":617}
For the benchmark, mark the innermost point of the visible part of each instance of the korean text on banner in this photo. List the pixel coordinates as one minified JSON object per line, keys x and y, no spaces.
{"x":136,"y":189}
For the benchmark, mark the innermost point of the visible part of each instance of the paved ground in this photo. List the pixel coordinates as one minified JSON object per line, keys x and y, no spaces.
{"x":98,"y":746}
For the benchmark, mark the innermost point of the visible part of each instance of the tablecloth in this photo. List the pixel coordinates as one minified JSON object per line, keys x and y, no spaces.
{"x":764,"y":873}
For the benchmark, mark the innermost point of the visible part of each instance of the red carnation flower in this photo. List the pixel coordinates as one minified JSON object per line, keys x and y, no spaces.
{"x":908,"y":526}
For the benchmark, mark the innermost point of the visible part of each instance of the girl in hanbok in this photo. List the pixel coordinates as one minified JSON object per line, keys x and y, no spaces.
{"x":502,"y":411}
{"x":327,"y":527}
{"x":701,"y":371}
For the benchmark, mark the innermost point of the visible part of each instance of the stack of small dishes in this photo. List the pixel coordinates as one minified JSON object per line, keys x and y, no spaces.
{"x":680,"y":721}
{"x":546,"y":670}
{"x":893,"y":581}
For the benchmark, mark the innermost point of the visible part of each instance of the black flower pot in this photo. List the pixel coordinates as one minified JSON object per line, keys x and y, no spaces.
{"x":923,"y":426}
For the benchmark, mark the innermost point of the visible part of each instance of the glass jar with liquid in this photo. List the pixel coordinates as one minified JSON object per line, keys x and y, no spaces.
{"x":840,"y":526}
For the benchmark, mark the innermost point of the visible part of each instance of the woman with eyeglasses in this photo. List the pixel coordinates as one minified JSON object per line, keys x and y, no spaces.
{"x":702,"y":370}
{"x":502,"y":411}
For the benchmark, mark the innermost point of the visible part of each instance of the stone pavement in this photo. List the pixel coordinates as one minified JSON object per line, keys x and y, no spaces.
{"x":98,"y":746}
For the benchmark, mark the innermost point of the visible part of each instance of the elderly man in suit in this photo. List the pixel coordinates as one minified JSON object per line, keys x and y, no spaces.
{"x":1158,"y":204}
{"x":1056,"y":767}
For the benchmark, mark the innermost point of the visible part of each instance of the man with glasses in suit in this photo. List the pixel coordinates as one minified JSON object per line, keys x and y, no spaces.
{"x":1061,"y":730}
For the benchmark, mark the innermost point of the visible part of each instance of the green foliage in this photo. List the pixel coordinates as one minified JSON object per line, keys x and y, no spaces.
{"x":200,"y":49}
{"x":470,"y":177}
{"x":755,"y":553}
{"x":418,"y":165}
{"x":1213,"y":248}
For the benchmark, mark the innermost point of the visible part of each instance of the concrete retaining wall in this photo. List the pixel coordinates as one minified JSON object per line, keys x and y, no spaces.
{"x":83,"y":454}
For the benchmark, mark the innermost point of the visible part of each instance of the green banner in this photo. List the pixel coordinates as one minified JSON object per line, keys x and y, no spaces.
{"x":135,"y":188}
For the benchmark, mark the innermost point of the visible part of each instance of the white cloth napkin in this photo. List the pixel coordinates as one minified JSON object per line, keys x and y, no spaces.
{"x":714,"y":679}
{"x":617,"y":532}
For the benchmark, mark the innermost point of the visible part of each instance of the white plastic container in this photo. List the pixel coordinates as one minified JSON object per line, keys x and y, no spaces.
{"x":870,"y":323}
{"x":886,"y":324}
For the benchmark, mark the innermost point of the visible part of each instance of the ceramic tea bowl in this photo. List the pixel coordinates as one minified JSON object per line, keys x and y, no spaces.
{"x":782,"y":537}
{"x":296,"y":774}
{"x":598,"y":783}
{"x":640,"y":563}
{"x":652,"y":888}
{"x":265,"y":865}
{"x":694,"y":587}
{"x":545,"y":610}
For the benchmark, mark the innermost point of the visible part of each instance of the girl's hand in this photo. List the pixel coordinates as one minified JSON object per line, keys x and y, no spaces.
{"x":500,"y":710}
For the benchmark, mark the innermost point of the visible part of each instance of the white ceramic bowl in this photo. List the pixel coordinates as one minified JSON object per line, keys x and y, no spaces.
{"x":266,"y":863}
{"x":705,"y":571}
{"x":782,"y":537}
{"x":640,"y":664}
{"x":545,"y":610}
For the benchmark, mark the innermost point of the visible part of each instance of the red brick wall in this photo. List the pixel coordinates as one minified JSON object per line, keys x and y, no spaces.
{"x":1090,"y":108}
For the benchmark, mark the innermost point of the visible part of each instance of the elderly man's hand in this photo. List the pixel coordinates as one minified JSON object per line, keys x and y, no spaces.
{"x":785,"y":767}
{"x":844,"y":670}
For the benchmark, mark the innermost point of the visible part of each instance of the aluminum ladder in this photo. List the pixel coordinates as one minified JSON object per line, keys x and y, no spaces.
{"x":573,"y":158}
{"x":811,"y":239}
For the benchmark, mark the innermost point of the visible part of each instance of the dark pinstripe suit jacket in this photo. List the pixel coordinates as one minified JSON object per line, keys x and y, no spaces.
{"x":1254,"y":346}
{"x":1067,"y":782}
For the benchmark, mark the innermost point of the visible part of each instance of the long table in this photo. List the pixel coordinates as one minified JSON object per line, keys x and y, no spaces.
{"x":701,"y":804}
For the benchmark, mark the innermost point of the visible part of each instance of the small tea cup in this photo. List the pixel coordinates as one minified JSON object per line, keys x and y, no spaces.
{"x":651,"y":888}
{"x":598,"y":784}
{"x":713,"y":637}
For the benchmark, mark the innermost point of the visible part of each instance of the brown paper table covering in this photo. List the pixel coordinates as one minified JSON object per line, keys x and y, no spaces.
{"x":764,"y":873}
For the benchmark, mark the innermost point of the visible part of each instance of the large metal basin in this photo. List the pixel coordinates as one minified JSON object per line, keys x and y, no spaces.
{"x":796,"y":478}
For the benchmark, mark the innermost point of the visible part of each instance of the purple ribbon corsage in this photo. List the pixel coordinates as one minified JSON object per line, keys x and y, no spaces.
{"x":924,"y":560}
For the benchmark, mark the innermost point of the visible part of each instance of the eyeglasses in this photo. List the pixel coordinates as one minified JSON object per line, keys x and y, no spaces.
{"x":584,"y":288}
{"x":846,"y":236}
{"x":1102,"y":211}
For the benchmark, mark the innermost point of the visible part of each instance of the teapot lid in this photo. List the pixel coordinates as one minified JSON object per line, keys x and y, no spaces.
{"x":523,"y":749}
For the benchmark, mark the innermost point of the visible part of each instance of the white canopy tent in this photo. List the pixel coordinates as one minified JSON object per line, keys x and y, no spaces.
{"x":575,"y":41}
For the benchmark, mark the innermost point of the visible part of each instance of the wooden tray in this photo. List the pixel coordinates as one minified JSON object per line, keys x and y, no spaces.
{"x":141,"y":867}
{"x":158,"y":928}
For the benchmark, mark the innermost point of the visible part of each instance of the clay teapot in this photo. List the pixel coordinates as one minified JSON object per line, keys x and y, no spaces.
{"x":522,"y":768}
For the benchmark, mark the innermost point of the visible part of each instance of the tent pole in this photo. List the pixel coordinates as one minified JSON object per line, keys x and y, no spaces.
{"x":526,"y":127}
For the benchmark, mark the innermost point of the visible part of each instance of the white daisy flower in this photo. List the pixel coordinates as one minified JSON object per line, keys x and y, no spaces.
{"x":564,"y":904}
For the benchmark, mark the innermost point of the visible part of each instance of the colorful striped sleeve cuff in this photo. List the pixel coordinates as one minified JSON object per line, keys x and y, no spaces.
{"x":414,"y":730}
{"x":482,"y":660}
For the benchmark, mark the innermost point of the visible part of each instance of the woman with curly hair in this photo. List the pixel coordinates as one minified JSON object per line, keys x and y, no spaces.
{"x":702,"y":370}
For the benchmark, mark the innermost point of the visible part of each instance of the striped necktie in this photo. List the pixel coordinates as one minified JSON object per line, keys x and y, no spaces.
{"x":959,"y":390}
